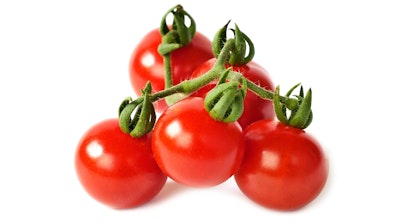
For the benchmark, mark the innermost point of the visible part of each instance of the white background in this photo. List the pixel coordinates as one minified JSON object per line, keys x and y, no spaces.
{"x":64,"y":67}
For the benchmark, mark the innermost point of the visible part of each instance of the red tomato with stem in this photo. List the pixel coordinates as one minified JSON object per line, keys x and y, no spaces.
{"x":116,"y":169}
{"x":255,"y":108}
{"x":146,"y":64}
{"x":284,"y":168}
{"x":192,"y":148}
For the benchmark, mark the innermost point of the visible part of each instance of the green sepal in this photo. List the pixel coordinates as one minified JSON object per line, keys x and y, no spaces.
{"x":219,"y":40}
{"x":251,"y":53}
{"x":300,"y":113}
{"x":126,"y":109}
{"x":303,"y":115}
{"x":289,"y":92}
{"x":167,"y":48}
{"x":123,"y":104}
{"x":280,"y":109}
{"x":239,"y":52}
{"x":238,"y":55}
{"x":185,"y":34}
{"x":225,"y":101}
{"x":144,"y":117}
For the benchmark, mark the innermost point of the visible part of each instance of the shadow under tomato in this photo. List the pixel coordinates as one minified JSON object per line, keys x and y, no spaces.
{"x":169,"y":190}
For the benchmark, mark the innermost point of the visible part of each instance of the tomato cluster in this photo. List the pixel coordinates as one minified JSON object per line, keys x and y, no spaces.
{"x":274,"y":163}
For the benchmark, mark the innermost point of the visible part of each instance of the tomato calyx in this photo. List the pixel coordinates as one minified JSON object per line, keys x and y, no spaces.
{"x":177,"y":35}
{"x":300,"y":112}
{"x":238,"y":55}
{"x":137,"y":117}
{"x":225,"y":101}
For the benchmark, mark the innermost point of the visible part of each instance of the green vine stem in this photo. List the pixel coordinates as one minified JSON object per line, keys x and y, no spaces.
{"x":174,"y":37}
{"x":225,"y":101}
{"x":186,"y":87}
{"x":290,"y":103}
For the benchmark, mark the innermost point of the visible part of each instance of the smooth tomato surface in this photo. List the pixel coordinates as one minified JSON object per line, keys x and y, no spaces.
{"x":255,"y":108}
{"x":192,"y":148}
{"x":284,"y":168}
{"x":116,"y":169}
{"x":146,"y":64}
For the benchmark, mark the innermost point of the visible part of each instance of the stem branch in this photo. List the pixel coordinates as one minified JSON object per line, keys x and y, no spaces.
{"x":189,"y":86}
{"x":266,"y":94}
{"x":168,"y":71}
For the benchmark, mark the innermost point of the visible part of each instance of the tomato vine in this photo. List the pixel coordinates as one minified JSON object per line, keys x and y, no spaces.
{"x":231,"y":50}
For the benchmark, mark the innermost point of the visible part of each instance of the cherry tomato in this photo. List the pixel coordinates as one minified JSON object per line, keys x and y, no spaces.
{"x":284,"y":168}
{"x":255,"y":108}
{"x":146,"y":64}
{"x":116,"y":169}
{"x":192,"y":148}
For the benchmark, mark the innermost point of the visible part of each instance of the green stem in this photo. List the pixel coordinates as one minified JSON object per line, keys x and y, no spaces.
{"x":174,"y":37}
{"x":168,"y":71}
{"x":290,"y":103}
{"x":189,"y":86}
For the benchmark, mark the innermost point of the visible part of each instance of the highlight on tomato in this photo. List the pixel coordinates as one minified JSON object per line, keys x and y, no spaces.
{"x":284,"y":168}
{"x":115,"y":169}
{"x":192,"y":148}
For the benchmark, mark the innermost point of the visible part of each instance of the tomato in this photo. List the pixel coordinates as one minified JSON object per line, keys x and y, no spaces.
{"x":192,"y":148}
{"x":116,"y":169}
{"x":284,"y":168}
{"x":146,"y":64}
{"x":255,"y":108}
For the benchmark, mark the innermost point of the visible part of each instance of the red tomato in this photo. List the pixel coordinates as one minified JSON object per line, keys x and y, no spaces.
{"x":116,"y":169}
{"x":146,"y":64}
{"x":192,"y":148}
{"x":284,"y":168}
{"x":255,"y":108}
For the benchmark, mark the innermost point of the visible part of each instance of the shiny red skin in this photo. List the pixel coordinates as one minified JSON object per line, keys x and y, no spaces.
{"x":284,"y":168}
{"x":115,"y":169}
{"x":255,"y":108}
{"x":146,"y":64}
{"x":193,"y":149}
